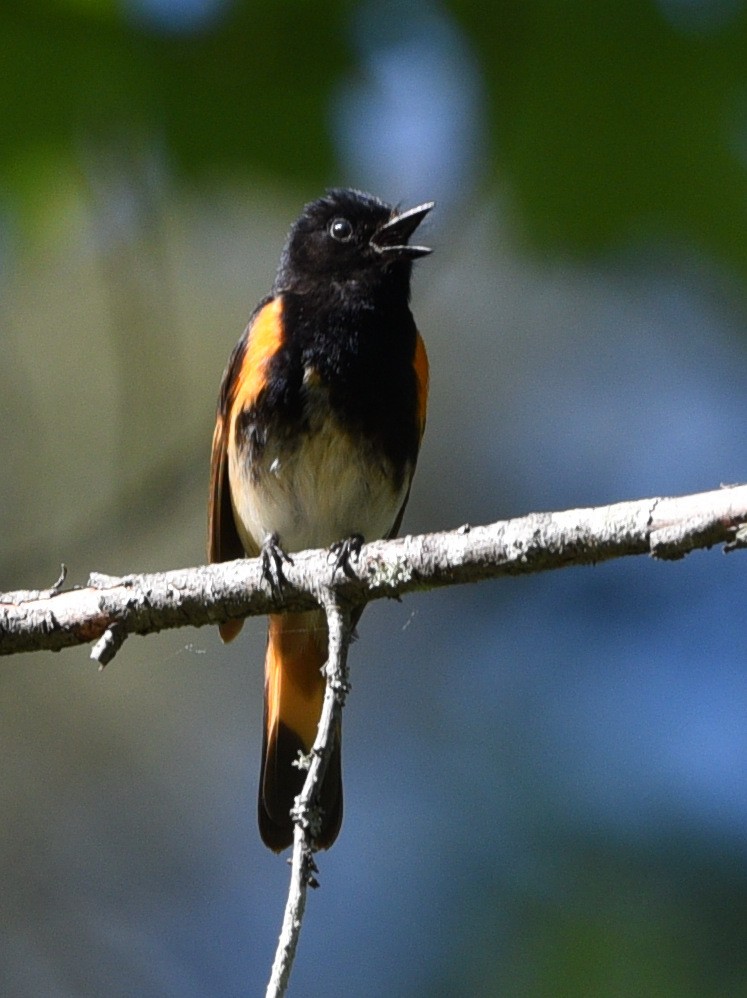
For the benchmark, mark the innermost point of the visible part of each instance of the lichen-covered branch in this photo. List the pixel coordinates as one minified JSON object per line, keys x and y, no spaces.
{"x":113,"y":608}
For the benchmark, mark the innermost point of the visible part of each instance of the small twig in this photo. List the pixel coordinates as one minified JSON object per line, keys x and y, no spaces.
{"x":32,"y":595}
{"x":305,"y":811}
{"x":108,"y":645}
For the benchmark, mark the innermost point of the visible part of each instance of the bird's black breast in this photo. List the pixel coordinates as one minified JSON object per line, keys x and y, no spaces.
{"x":358,"y":356}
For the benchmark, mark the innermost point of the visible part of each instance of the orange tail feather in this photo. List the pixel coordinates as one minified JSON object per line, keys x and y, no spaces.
{"x":294,"y":691}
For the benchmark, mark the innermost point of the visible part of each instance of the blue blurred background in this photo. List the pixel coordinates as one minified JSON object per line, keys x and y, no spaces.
{"x":546,"y":778}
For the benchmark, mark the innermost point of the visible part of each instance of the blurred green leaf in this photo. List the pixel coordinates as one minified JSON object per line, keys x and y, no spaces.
{"x":610,"y":122}
{"x":248,"y":94}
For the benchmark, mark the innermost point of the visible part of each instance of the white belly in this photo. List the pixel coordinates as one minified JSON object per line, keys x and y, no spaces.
{"x":322,"y":491}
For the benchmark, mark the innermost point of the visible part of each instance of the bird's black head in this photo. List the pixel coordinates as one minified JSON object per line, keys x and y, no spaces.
{"x":350,"y":238}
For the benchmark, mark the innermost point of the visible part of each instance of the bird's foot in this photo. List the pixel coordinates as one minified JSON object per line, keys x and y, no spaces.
{"x":273,"y":558}
{"x":342,"y":552}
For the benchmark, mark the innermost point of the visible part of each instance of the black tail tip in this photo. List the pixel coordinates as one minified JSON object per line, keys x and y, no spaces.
{"x":280,"y":783}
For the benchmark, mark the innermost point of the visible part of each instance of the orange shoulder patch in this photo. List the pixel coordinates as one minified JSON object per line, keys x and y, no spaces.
{"x":265,"y":337}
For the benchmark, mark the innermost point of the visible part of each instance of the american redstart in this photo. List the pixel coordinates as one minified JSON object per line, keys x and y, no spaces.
{"x":320,"y":416}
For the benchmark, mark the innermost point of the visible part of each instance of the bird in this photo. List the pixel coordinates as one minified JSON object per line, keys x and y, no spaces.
{"x":320,"y":416}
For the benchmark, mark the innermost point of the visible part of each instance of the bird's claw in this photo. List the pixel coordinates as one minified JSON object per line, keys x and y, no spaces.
{"x":273,"y":558}
{"x":342,"y":552}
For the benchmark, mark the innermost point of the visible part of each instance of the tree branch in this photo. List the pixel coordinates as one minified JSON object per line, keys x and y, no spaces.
{"x":306,"y":810}
{"x":112,"y":608}
{"x":109,"y":609}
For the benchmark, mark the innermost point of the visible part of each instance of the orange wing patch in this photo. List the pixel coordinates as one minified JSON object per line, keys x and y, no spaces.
{"x":244,"y":378}
{"x":265,"y":336}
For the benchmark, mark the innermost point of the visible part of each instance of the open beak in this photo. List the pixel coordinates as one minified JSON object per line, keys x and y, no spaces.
{"x":392,"y":237}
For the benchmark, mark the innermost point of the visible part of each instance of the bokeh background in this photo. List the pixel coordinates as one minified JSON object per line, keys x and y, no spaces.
{"x":546,"y":778}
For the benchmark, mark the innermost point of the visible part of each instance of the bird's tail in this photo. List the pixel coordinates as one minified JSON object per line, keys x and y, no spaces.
{"x":294,"y":691}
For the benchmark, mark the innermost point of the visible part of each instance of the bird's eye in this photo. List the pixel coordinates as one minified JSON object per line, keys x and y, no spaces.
{"x":341,"y":230}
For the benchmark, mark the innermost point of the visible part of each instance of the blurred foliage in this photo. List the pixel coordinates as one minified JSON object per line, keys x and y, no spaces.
{"x":607,"y":120}
{"x":242,"y":94}
{"x":611,"y":121}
